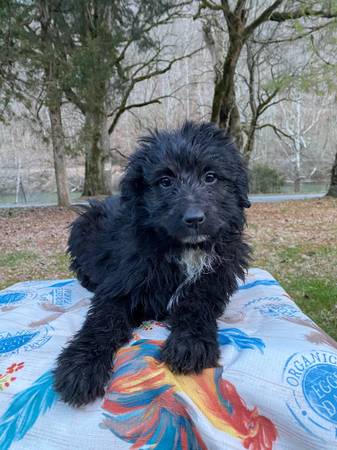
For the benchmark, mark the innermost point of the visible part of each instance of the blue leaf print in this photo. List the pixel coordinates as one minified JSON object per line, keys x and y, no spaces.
{"x":240,"y":340}
{"x":61,"y":283}
{"x":10,"y":343}
{"x":7,"y":298}
{"x":259,"y":283}
{"x":25,"y":409}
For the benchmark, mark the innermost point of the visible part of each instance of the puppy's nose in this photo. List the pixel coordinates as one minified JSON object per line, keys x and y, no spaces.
{"x":194,"y":217}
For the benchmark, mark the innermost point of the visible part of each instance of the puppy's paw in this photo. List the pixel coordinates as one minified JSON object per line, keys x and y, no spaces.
{"x":186,"y":355}
{"x":81,"y":379}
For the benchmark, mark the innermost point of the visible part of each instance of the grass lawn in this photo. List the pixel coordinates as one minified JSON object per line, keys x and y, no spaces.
{"x":295,"y":241}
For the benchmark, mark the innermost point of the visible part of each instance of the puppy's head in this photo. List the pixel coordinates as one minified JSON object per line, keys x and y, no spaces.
{"x":190,"y":183}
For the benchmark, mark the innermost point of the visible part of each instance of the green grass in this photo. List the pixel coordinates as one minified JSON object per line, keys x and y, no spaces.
{"x":298,"y":252}
{"x":12,"y":260}
{"x":25,"y":265}
{"x":62,"y":264}
{"x":308,"y":272}
{"x":317,"y":297}
{"x":12,"y":263}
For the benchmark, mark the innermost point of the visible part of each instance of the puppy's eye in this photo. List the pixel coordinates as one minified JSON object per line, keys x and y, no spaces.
{"x":210,"y":178}
{"x":165,"y":182}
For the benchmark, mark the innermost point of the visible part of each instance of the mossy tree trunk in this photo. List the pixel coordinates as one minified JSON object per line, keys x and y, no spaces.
{"x":225,"y":111}
{"x":332,"y":192}
{"x":53,"y":99}
{"x":97,"y":158}
{"x":249,"y":145}
{"x":58,"y":144}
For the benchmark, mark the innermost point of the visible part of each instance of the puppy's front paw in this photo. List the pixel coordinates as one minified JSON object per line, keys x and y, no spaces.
{"x":189,"y":354}
{"x":81,"y":379}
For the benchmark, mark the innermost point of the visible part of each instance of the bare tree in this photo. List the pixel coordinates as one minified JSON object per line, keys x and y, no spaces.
{"x":225,"y":109}
{"x":295,"y":139}
{"x":262,"y":95}
{"x":329,"y":74}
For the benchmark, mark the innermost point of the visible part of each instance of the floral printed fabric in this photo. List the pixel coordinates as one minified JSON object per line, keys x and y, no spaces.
{"x":275,"y":387}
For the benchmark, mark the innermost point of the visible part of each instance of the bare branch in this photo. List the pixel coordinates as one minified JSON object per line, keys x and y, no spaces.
{"x":314,"y":122}
{"x":147,"y":29}
{"x":118,"y":111}
{"x":251,"y":82}
{"x":121,"y":109}
{"x":276,"y":130}
{"x":278,"y":16}
{"x":328,"y":63}
{"x":269,"y":105}
{"x":74,"y":99}
{"x":140,"y":66}
{"x":264,"y":16}
{"x":210,"y":5}
{"x":294,"y":38}
{"x":115,"y":149}
{"x":167,"y":68}
{"x":145,"y":103}
{"x":264,"y":104}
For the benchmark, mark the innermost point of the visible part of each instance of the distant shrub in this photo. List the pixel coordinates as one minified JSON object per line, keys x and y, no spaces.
{"x":264,"y":180}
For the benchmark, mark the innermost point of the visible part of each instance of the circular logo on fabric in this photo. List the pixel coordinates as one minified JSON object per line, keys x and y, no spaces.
{"x":312,"y":378}
{"x":320,"y":389}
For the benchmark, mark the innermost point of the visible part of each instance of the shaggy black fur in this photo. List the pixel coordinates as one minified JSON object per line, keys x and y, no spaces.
{"x":169,"y":248}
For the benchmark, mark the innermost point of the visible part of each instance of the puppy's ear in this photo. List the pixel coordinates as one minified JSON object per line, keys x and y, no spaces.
{"x":132,"y":183}
{"x":242,"y":184}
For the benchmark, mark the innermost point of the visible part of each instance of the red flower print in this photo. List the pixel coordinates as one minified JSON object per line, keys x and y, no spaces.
{"x":6,"y":379}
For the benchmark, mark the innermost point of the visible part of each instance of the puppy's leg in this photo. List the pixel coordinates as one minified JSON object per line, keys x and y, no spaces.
{"x":84,"y":367}
{"x":192,"y":345}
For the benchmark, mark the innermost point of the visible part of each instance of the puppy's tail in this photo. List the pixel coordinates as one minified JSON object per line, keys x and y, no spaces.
{"x":87,"y":239}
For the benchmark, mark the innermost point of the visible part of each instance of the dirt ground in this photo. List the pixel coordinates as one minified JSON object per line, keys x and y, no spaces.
{"x":296,"y":241}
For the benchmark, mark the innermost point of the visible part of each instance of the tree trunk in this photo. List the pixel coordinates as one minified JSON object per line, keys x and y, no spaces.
{"x":58,"y":151}
{"x":298,"y":154}
{"x":249,"y":146}
{"x":297,"y":184}
{"x":53,"y":102}
{"x":97,"y":158}
{"x":332,"y":192}
{"x":225,"y":111}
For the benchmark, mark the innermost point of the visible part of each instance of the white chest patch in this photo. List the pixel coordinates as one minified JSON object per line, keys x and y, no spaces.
{"x":194,"y":262}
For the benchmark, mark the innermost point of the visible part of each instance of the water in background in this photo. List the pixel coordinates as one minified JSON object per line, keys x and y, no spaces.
{"x":35,"y":198}
{"x":50,"y":198}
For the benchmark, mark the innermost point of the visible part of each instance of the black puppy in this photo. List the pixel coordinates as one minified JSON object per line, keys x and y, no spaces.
{"x":169,"y":248}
